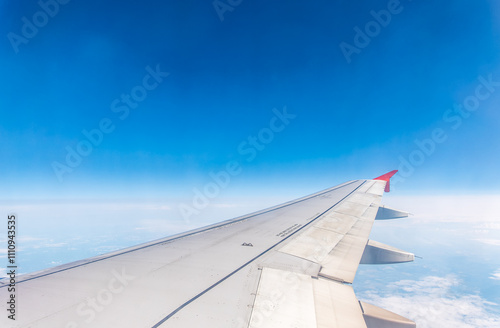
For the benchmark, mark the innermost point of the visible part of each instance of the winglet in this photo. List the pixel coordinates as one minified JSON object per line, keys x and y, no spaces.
{"x":387,"y":177}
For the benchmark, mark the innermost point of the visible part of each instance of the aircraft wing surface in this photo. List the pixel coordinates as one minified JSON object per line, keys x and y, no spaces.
{"x":291,"y":265}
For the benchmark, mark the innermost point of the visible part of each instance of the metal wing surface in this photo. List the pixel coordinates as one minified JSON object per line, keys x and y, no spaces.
{"x":291,"y":265}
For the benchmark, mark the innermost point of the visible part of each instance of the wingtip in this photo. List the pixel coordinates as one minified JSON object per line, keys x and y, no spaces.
{"x":387,"y":177}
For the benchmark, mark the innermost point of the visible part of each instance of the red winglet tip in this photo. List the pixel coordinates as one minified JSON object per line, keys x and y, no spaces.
{"x":387,"y":177}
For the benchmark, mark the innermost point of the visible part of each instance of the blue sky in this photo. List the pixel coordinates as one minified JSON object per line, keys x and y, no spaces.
{"x":419,"y":94}
{"x":353,"y":120}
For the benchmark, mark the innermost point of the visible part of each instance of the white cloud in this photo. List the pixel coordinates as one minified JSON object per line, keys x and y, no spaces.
{"x":28,"y":239}
{"x":495,"y":275}
{"x":431,"y":302}
{"x":493,"y":242}
{"x":225,"y":205}
{"x":478,"y":209}
{"x":54,"y":244}
{"x":489,"y":226}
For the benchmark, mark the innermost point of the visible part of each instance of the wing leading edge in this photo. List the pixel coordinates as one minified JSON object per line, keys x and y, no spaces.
{"x":289,"y":265}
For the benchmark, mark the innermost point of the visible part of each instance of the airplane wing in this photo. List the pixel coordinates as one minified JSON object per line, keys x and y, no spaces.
{"x":291,"y":265}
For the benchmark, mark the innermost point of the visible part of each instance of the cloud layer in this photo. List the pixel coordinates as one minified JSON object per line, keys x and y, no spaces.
{"x":434,"y":302}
